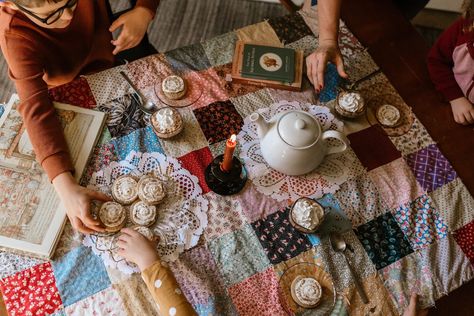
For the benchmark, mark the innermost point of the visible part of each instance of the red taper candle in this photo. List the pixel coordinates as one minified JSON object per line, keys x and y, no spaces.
{"x":226,"y":164}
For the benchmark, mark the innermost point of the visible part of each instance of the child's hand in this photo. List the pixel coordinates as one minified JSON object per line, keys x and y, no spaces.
{"x":134,"y":247}
{"x":77,"y":200}
{"x":463,"y":111}
{"x":412,"y":309}
{"x":134,"y":26}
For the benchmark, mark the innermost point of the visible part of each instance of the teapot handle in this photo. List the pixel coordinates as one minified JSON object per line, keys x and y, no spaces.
{"x":341,"y":137}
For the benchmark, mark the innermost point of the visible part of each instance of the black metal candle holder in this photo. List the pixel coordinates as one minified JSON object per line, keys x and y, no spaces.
{"x":226,"y":183}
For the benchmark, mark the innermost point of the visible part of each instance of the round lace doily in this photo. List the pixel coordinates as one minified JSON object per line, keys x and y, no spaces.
{"x":333,"y":171}
{"x":182,"y":215}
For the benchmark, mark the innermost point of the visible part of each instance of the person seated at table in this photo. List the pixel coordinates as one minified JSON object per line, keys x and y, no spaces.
{"x":159,"y":280}
{"x":51,"y":42}
{"x":328,"y":46}
{"x":451,"y":65}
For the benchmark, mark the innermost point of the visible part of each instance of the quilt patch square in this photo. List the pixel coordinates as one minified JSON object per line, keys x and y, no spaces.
{"x":361,"y":200}
{"x":258,"y":295}
{"x":431,"y":168}
{"x":196,"y":163}
{"x":238,"y":255}
{"x":11,"y":263}
{"x":213,"y":87}
{"x":224,"y":215}
{"x":253,"y":101}
{"x":79,"y":274}
{"x":106,"y":302}
{"x":108,"y":85}
{"x":415,"y":139}
{"x":290,"y":28}
{"x":307,"y":44}
{"x":447,"y":264}
{"x":199,"y":279}
{"x":148,"y":71}
{"x":373,"y":156}
{"x":31,"y":292}
{"x":101,"y":157}
{"x":464,"y":236}
{"x":406,"y":276}
{"x":136,"y":297}
{"x":261,"y":33}
{"x":188,"y":58}
{"x":420,"y":222}
{"x":76,"y":92}
{"x":220,"y":49}
{"x":383,"y":240}
{"x":140,"y":140}
{"x":219,"y":120}
{"x":396,"y":183}
{"x":455,"y":204}
{"x":280,"y":240}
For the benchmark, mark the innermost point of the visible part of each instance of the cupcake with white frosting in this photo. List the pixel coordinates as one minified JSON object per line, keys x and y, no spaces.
{"x":167,"y":122}
{"x":306,"y":214}
{"x":142,"y":214}
{"x":306,"y":291}
{"x":173,"y":87}
{"x":350,"y":104}
{"x":113,"y":216}
{"x":125,"y":189}
{"x":145,"y":231}
{"x":388,"y":115}
{"x":150,"y":190}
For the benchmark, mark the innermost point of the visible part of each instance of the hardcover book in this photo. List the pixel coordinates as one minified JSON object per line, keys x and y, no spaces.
{"x":268,"y":63}
{"x":32,"y":216}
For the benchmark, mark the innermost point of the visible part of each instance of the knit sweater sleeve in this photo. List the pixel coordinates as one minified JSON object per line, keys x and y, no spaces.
{"x":440,"y":62}
{"x":39,"y":116}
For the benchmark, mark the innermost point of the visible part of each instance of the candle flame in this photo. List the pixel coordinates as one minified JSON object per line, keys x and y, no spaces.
{"x":233,"y":138}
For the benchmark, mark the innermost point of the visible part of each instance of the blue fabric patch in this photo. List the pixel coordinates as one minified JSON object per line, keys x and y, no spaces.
{"x":2,"y":109}
{"x":79,"y":274}
{"x":140,"y":140}
{"x":314,"y":239}
{"x":335,"y":219}
{"x":331,"y":82}
{"x":216,"y":306}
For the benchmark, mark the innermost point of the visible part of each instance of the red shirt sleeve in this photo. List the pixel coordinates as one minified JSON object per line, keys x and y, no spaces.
{"x":440,"y":62}
{"x":39,"y":116}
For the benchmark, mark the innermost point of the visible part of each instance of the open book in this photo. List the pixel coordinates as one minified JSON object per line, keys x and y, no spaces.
{"x":31,"y":214}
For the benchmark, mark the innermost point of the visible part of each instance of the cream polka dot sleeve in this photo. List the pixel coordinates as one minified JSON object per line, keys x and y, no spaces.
{"x":166,"y":292}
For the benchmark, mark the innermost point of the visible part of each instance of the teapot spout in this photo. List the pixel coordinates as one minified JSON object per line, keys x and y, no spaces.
{"x":262,"y":125}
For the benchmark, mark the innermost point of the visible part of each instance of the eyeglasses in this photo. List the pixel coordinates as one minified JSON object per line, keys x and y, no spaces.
{"x":54,"y":16}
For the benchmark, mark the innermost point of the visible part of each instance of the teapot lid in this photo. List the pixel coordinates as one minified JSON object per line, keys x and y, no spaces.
{"x":298,"y":129}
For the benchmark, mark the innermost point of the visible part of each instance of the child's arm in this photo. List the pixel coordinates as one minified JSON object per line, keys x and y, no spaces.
{"x":160,"y":280}
{"x":134,"y":25}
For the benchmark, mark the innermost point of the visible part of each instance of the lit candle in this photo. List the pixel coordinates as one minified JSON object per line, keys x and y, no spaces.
{"x":226,"y":164}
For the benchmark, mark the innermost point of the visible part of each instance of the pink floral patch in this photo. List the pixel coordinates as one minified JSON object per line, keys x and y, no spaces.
{"x":148,"y":71}
{"x":31,"y":292}
{"x":76,"y":92}
{"x":212,"y":86}
{"x":258,"y":295}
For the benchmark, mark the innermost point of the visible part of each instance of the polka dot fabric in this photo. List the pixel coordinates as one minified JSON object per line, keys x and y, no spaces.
{"x":464,"y":236}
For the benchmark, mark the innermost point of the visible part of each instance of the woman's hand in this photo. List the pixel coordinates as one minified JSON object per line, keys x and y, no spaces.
{"x":328,"y":51}
{"x":77,"y":201}
{"x":134,"y":25}
{"x":463,"y":111}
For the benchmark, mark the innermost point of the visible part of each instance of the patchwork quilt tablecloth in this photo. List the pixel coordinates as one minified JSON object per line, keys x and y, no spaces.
{"x":395,"y":198}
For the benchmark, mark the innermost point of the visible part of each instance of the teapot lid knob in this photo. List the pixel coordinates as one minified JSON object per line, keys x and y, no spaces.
{"x":300,"y":124}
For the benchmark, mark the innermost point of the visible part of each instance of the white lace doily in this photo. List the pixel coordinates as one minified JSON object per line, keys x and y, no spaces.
{"x":333,"y":171}
{"x":182,"y":215}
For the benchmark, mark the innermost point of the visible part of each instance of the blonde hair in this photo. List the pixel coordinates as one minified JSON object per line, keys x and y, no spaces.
{"x":467,"y":10}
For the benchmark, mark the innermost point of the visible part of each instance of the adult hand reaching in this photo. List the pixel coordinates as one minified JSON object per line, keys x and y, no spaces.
{"x":134,"y":25}
{"x":412,"y":309}
{"x":77,"y":200}
{"x":328,"y":51}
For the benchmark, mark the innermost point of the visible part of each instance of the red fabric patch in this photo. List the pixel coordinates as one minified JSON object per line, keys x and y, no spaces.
{"x":373,"y":147}
{"x":196,"y":162}
{"x":464,"y":236}
{"x":258,"y":295}
{"x":31,"y":292}
{"x":76,"y":92}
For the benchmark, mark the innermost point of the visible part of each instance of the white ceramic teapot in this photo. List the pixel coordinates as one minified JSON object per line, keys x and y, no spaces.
{"x":292,"y":142}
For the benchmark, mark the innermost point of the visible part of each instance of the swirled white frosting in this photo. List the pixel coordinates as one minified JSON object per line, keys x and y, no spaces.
{"x":112,"y":214}
{"x":308,"y":291}
{"x":351,"y":101}
{"x":172,"y":84}
{"x":150,"y":190}
{"x":145,"y":231}
{"x":388,"y":115}
{"x":307,"y":213}
{"x":167,"y":119}
{"x":125,"y":189}
{"x":142,"y":214}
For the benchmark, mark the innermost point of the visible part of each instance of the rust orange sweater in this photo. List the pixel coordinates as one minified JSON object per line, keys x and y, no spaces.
{"x":38,"y":57}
